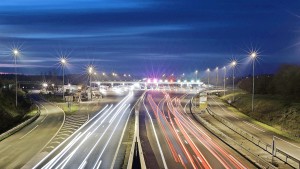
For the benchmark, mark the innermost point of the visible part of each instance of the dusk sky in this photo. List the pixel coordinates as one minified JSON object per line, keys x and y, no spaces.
{"x":148,"y":36}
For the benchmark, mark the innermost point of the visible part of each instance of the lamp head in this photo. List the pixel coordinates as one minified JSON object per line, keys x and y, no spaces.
{"x":233,"y":63}
{"x":90,"y":69}
{"x":253,"y":55}
{"x":15,"y":52}
{"x":63,"y":61}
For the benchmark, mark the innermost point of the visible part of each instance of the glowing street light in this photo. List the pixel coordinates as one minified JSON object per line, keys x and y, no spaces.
{"x":224,"y":68}
{"x":253,"y":56}
{"x":90,"y":71}
{"x":208,"y":71}
{"x":16,"y":54}
{"x":196,"y":72}
{"x":63,"y":62}
{"x":45,"y":85}
{"x":217,"y":71}
{"x":233,"y":64}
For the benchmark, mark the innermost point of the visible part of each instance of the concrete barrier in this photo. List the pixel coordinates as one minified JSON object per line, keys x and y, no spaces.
{"x":136,"y":138}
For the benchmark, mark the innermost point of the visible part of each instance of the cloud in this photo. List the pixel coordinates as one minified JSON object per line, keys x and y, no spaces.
{"x":117,"y":33}
{"x":24,"y":66}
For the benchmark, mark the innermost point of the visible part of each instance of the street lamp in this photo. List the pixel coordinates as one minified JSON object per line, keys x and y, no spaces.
{"x":217,"y":71}
{"x":233,"y":64}
{"x":224,"y":68}
{"x":253,"y":56}
{"x":196,"y":72}
{"x":90,"y":71}
{"x":208,"y":71}
{"x":16,"y":54}
{"x":63,"y":62}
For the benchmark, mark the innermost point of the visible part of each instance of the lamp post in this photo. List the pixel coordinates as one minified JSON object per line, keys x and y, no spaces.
{"x":196,"y":72}
{"x":224,"y":78}
{"x":16,"y":54}
{"x":208,"y":71}
{"x":63,"y":62}
{"x":217,"y":71}
{"x":233,"y":64}
{"x":90,"y":71}
{"x":253,"y":57}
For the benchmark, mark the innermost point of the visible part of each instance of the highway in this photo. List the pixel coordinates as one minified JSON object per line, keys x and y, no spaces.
{"x":172,"y":139}
{"x":97,"y":143}
{"x":18,"y":149}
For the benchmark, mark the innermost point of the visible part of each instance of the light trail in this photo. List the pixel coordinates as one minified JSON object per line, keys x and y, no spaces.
{"x":110,"y":136}
{"x":110,"y":114}
{"x":187,"y":127}
{"x":157,"y":141}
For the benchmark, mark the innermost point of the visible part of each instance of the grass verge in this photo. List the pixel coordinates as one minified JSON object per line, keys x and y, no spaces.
{"x":275,"y":113}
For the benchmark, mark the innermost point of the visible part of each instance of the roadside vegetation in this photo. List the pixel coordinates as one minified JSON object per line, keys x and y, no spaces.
{"x":74,"y":107}
{"x":276,"y":102}
{"x":53,"y":98}
{"x":10,"y":116}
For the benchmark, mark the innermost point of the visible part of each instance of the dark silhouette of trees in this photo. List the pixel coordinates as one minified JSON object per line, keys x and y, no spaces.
{"x":285,"y":82}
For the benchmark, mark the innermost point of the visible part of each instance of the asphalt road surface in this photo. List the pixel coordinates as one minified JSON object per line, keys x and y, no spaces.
{"x":19,"y":148}
{"x":172,"y":139}
{"x":96,"y":143}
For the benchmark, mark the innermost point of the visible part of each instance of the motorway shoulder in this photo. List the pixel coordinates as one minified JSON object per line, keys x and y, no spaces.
{"x":19,"y":148}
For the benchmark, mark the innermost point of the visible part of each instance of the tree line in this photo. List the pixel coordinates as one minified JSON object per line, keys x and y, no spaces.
{"x":285,"y":82}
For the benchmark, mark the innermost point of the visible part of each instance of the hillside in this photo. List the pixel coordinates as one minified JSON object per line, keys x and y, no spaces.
{"x":11,"y":116}
{"x":274,"y":110}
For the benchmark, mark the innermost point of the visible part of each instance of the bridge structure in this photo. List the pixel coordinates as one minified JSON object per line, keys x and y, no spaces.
{"x":151,"y":83}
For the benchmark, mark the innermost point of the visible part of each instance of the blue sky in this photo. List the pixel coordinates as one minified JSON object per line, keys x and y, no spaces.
{"x":149,"y":36}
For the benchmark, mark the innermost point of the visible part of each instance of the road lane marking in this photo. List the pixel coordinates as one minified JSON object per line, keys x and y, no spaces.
{"x":157,"y":141}
{"x":253,"y":126}
{"x":74,"y":151}
{"x":286,"y":142}
{"x":47,"y":113}
{"x":59,"y":127}
{"x":29,"y":132}
{"x":93,"y":123}
{"x":63,"y":152}
{"x":224,"y":109}
{"x":77,"y":131}
{"x":112,"y":133}
{"x":115,"y":156}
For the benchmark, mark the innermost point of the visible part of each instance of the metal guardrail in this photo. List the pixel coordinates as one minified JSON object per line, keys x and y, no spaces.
{"x":20,"y":126}
{"x":265,"y":146}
